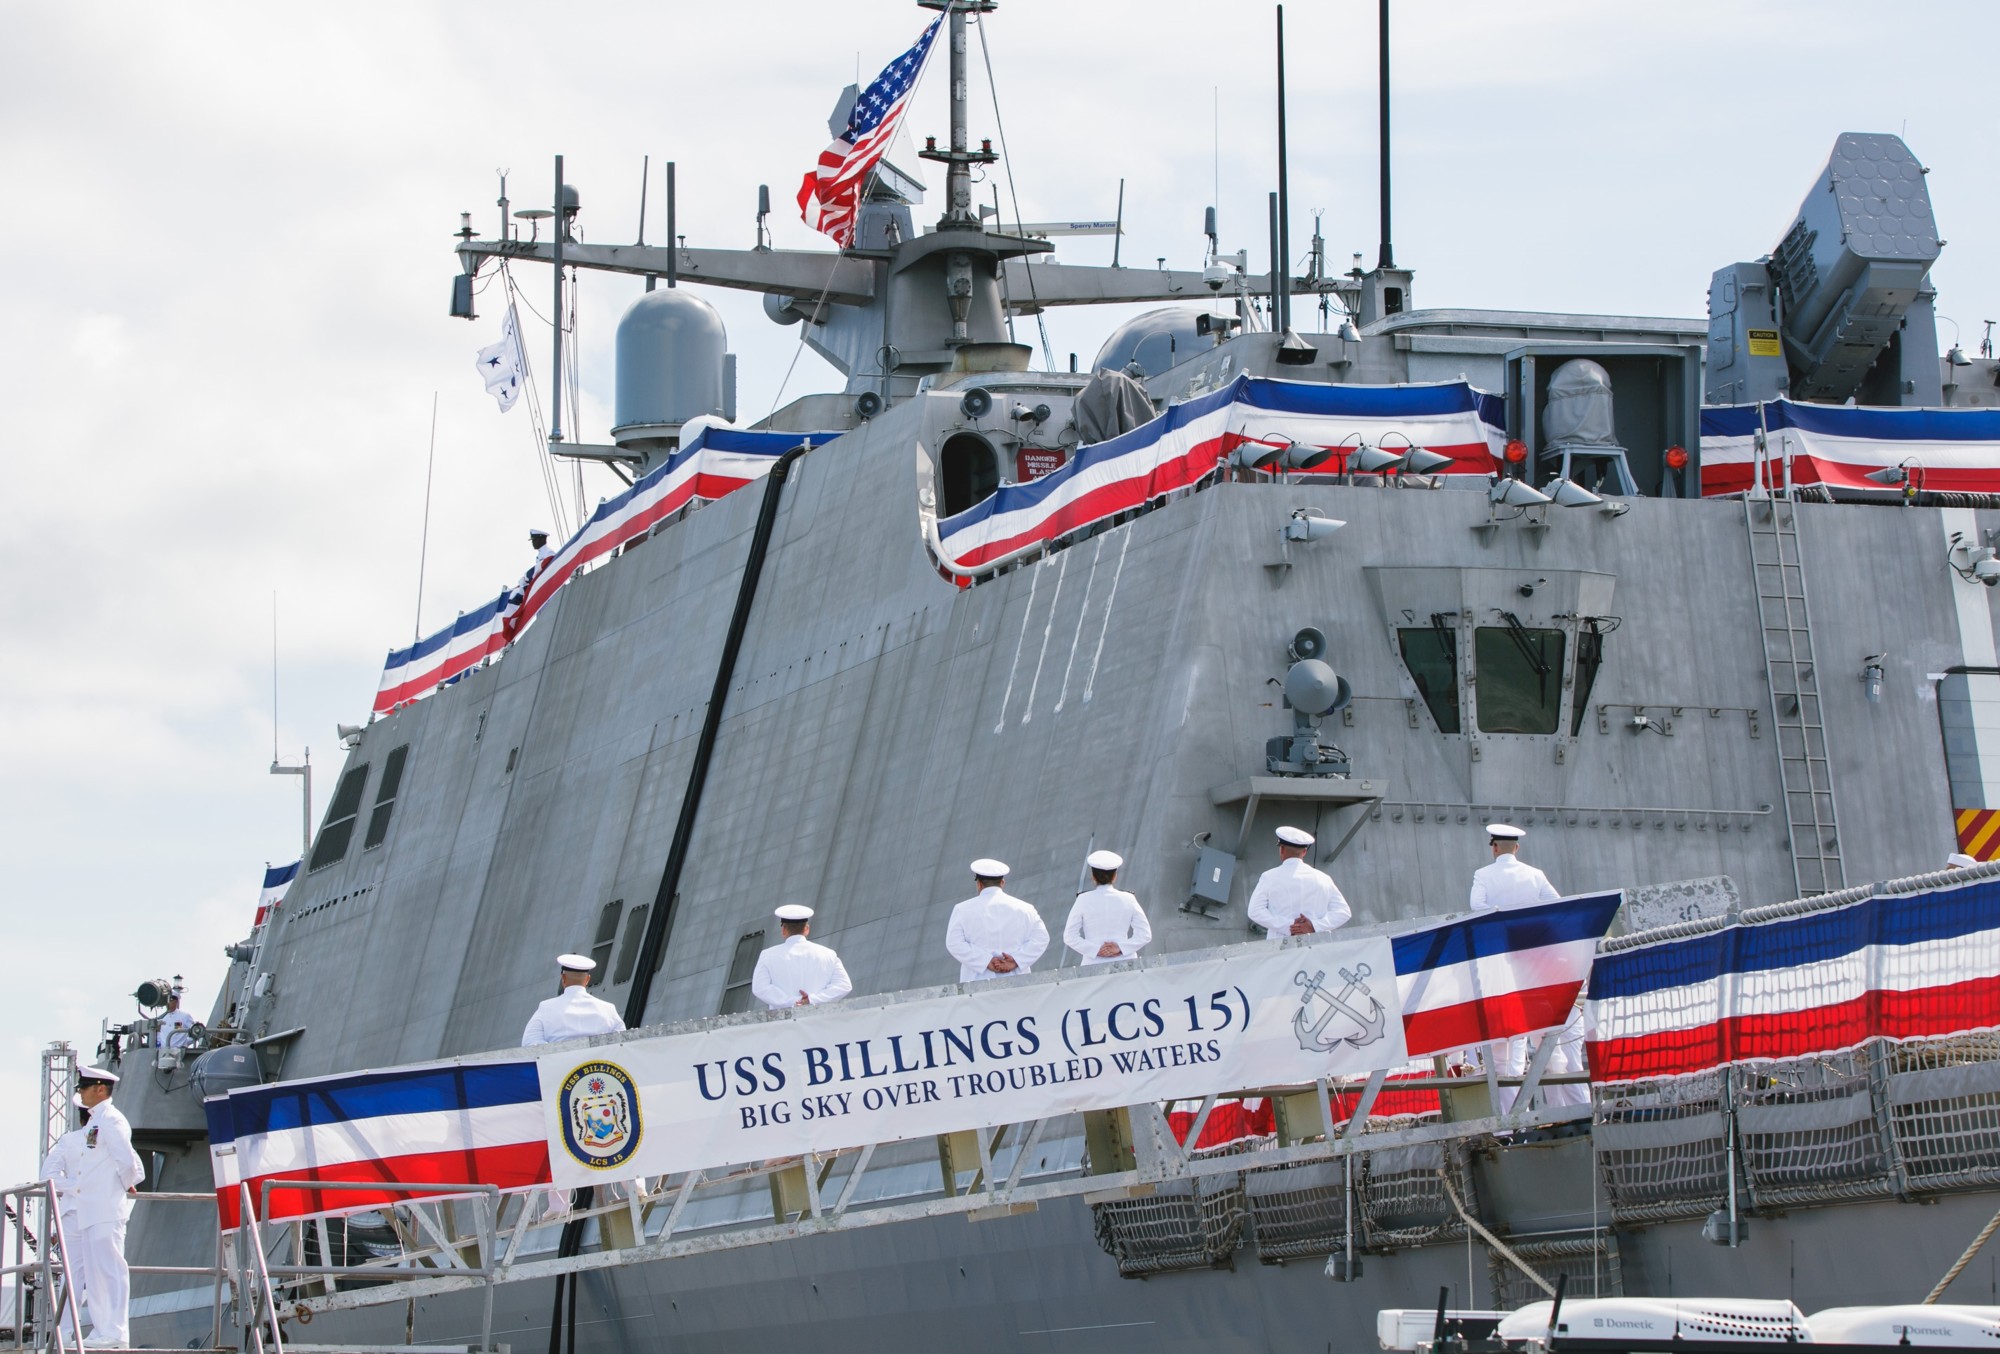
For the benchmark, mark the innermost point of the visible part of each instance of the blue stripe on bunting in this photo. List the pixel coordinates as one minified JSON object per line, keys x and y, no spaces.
{"x":221,"y":1124}
{"x":369,"y":1095}
{"x":1878,"y":425}
{"x":477,"y":619}
{"x":1484,"y":934}
{"x":1905,"y":919}
{"x":1300,"y":397}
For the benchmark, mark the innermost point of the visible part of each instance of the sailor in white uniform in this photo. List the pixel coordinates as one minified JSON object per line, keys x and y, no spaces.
{"x":1106,"y":923}
{"x":795,"y":971}
{"x":544,"y":552}
{"x":1509,"y":881}
{"x":993,"y":933}
{"x":61,"y":1168}
{"x":104,"y":1173}
{"x":1294,"y":899}
{"x":573,"y":1012}
{"x":175,"y":1024}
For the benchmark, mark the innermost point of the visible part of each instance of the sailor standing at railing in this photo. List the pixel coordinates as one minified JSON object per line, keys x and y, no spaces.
{"x":104,"y":1174}
{"x":1294,"y":899}
{"x":796,"y":971}
{"x":572,"y":1013}
{"x":1511,"y":882}
{"x":61,"y":1168}
{"x":993,"y":933}
{"x":1106,"y":923}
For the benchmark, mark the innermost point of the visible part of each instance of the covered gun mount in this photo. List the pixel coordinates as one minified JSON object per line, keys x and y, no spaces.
{"x":1842,"y":308}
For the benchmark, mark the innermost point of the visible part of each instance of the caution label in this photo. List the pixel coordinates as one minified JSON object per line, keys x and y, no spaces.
{"x":1764,"y":343}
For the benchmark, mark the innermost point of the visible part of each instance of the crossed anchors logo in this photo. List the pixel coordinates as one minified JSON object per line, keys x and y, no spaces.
{"x":1318,"y":1006}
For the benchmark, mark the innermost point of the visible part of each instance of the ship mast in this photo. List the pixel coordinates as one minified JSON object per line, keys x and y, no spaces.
{"x":958,"y":161}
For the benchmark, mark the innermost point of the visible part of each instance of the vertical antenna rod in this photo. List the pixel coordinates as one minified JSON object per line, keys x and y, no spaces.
{"x":673,"y":241}
{"x":423,"y":558}
{"x":561,"y":229}
{"x":645,"y":168}
{"x":1277,"y":324}
{"x":1387,"y":258}
{"x":1281,"y":276}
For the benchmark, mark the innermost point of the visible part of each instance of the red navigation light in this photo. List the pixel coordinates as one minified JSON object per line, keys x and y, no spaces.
{"x":1677,"y":456}
{"x":1517,"y":451}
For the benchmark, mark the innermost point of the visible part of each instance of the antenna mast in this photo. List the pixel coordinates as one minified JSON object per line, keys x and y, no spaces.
{"x":1281,"y":280}
{"x":1387,"y":257}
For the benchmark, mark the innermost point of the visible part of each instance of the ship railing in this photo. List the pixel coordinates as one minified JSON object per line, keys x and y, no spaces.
{"x":1335,"y":1180}
{"x":1130,"y":1159}
{"x":41,"y":1308}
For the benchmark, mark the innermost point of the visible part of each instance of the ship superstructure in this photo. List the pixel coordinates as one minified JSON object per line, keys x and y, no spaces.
{"x":804,"y":692}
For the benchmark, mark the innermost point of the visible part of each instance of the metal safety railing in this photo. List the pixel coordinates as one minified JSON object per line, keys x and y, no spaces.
{"x":42,"y":1310}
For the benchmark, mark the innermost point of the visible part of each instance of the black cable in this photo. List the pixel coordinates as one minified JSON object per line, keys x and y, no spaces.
{"x":657,"y":922}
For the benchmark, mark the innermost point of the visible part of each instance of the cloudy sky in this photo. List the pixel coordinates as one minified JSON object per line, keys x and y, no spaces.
{"x":225,"y":262}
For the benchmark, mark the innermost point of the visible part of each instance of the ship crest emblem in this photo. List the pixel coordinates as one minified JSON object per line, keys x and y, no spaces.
{"x":600,"y":1115}
{"x":1361,"y":1015}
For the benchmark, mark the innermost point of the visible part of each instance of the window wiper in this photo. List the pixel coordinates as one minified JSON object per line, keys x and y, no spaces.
{"x":1530,"y":651}
{"x":1447,"y":641}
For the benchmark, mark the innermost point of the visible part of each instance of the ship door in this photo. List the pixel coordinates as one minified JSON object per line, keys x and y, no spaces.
{"x":968,"y":473}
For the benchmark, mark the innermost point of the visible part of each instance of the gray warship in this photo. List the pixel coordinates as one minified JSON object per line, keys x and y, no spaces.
{"x":1718,"y":703}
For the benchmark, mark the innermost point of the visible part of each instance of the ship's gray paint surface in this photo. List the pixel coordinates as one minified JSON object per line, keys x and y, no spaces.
{"x":886,"y":727}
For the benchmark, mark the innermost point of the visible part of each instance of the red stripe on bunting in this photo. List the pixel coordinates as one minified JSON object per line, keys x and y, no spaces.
{"x":389,"y":697}
{"x":1927,"y":1013}
{"x":510,"y":1166}
{"x":1490,"y":1018}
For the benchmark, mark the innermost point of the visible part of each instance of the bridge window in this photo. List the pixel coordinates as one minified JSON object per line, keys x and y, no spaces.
{"x":338,"y":828}
{"x":1589,"y":658}
{"x":736,"y":992}
{"x":385,"y":798}
{"x":607,"y":934}
{"x":635,"y":936}
{"x":1431,"y":655}
{"x":1520,"y":677}
{"x":968,"y":473}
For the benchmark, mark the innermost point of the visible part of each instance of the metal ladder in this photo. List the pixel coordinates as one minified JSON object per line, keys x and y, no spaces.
{"x":1793,"y":674}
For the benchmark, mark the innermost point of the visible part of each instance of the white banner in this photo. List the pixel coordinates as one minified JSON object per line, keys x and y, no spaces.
{"x":843,"y":1076}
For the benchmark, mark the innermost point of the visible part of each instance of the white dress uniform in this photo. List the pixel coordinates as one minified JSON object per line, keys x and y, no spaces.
{"x":1104,"y":913}
{"x":796,"y":965}
{"x":1293,"y":889}
{"x":106,"y":1167}
{"x":1510,"y":882}
{"x":571,"y":1015}
{"x":174,"y":1027}
{"x":992,"y":924}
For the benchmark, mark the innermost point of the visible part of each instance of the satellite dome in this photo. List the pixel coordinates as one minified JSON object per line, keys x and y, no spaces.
{"x":670,"y":361}
{"x":1578,"y":412}
{"x":1156,"y":340}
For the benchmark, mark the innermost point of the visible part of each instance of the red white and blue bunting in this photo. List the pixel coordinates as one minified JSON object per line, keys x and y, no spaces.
{"x":717,"y":461}
{"x":1190,"y":441}
{"x":1940,"y":450}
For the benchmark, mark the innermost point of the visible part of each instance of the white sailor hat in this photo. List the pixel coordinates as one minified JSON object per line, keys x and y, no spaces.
{"x":1295,"y":836}
{"x":577,"y":963}
{"x":1505,"y":832}
{"x":1958,"y":860}
{"x":537,"y":531}
{"x":86,"y":1075}
{"x":795,"y":912}
{"x":1104,"y":860}
{"x":988,"y":868}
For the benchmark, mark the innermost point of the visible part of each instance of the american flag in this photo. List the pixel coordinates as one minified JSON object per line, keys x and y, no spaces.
{"x":830,"y":197}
